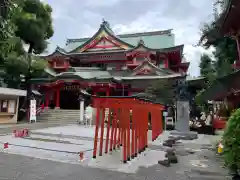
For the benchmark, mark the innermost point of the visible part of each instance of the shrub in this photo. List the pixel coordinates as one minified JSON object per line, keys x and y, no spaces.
{"x":231,"y":142}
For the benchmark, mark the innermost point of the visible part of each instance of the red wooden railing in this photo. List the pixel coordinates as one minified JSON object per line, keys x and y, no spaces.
{"x":127,"y":125}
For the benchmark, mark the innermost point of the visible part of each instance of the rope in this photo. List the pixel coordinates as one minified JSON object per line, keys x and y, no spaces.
{"x":54,"y":150}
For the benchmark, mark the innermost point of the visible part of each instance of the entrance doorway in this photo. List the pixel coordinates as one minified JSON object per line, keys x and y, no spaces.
{"x":69,"y":99}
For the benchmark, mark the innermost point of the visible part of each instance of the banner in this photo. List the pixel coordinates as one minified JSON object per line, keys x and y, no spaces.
{"x":33,"y":110}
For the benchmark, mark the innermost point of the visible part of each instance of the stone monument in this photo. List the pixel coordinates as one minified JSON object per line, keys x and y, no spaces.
{"x":182,"y":107}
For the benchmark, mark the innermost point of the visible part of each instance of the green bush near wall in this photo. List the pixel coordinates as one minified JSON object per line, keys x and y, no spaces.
{"x":231,"y":142}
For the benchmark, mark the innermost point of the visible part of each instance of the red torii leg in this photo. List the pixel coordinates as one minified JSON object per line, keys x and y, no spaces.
{"x":115,"y":130}
{"x":108,"y":131}
{"x":153,"y":124}
{"x":102,"y":130}
{"x":128,"y":134}
{"x":120,"y":128}
{"x":112,"y":129}
{"x":146,"y":126}
{"x":133,"y":143}
{"x":124,"y":140}
{"x":96,"y":132}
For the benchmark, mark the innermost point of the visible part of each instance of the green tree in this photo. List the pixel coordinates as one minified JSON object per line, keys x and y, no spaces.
{"x":225,"y":48}
{"x":207,"y":67}
{"x":34,"y":27}
{"x":163,"y":92}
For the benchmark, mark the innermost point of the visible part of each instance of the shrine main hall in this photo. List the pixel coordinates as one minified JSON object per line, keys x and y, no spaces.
{"x":109,"y":64}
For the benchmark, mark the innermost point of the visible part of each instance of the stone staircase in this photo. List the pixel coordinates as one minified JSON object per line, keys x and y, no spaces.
{"x":59,"y":116}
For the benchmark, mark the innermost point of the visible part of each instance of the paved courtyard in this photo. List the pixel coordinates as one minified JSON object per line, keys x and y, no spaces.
{"x":52,"y":153}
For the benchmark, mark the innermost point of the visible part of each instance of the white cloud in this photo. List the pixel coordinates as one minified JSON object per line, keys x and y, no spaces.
{"x":75,"y":19}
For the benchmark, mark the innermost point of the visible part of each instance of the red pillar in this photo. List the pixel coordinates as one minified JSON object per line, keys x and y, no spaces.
{"x":119,"y":128}
{"x":166,"y":63}
{"x":133,"y":136}
{"x":108,"y":132}
{"x":146,"y":125}
{"x":96,"y":132}
{"x":112,"y":130}
{"x":153,"y":117}
{"x":115,"y":130}
{"x":58,"y":97}
{"x":124,"y":140}
{"x":102,"y":131}
{"x":128,"y":134}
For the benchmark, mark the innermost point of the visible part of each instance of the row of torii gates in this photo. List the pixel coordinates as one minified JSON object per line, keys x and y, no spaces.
{"x":127,"y":125}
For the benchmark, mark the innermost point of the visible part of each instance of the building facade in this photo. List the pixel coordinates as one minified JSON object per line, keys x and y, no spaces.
{"x":109,"y":65}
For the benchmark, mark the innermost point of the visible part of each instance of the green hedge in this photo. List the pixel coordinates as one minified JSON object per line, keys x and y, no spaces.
{"x":231,"y":142}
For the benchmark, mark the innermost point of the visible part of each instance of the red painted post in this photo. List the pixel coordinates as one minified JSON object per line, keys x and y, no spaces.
{"x":119,"y":128}
{"x":102,"y":130}
{"x":124,"y":137}
{"x":112,"y":129}
{"x":133,"y":130}
{"x":96,"y":132}
{"x":108,"y":131}
{"x":153,"y":118}
{"x":128,"y":134}
{"x":146,"y":125}
{"x":115,"y":130}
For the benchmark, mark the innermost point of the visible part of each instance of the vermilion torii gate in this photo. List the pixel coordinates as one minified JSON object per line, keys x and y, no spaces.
{"x":127,"y":125}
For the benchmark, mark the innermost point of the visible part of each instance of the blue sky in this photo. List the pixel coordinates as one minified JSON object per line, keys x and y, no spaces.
{"x":81,"y":18}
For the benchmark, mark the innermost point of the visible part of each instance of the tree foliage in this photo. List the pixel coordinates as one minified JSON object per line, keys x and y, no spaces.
{"x":225,"y":48}
{"x":231,"y":141}
{"x":164,"y":92}
{"x":24,"y":22}
{"x":34,"y":24}
{"x":207,"y":68}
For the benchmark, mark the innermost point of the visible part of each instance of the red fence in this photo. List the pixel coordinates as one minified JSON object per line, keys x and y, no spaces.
{"x":127,"y":125}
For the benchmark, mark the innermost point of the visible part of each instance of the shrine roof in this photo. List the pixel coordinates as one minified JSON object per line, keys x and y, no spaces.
{"x":222,"y":87}
{"x":154,"y":39}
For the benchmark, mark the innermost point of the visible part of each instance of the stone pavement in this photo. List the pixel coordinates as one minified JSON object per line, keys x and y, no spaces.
{"x":201,"y":164}
{"x":8,"y":128}
{"x":28,"y":168}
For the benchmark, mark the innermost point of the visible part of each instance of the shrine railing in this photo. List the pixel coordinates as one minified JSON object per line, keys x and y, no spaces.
{"x":127,"y":125}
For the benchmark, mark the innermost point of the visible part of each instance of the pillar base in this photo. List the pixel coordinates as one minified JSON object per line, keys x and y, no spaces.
{"x":57,"y":108}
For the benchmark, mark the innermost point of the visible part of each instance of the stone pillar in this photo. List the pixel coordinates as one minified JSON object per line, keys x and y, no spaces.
{"x":57,"y":98}
{"x":81,"y":111}
{"x":182,"y":122}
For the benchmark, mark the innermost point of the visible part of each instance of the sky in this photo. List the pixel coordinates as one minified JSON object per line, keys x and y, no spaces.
{"x":82,"y":18}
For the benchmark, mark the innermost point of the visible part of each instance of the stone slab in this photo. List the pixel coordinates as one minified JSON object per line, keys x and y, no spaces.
{"x":191,"y":135}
